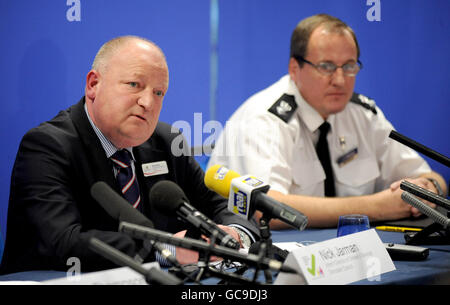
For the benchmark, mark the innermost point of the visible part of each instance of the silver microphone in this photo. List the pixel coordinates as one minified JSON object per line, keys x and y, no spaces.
{"x":425,"y":209}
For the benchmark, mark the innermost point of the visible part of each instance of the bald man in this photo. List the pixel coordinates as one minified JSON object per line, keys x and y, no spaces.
{"x":51,"y":213}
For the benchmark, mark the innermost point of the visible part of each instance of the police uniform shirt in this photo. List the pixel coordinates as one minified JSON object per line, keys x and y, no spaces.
{"x":273,"y":135}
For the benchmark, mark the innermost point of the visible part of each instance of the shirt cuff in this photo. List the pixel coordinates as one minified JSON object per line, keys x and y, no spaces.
{"x":245,"y":230}
{"x":161,"y":260}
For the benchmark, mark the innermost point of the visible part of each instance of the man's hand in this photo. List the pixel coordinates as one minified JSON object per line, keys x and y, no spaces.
{"x":185,"y":256}
{"x":423,"y":183}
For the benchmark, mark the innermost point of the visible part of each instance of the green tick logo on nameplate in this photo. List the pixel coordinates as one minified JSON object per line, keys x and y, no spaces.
{"x":310,"y":261}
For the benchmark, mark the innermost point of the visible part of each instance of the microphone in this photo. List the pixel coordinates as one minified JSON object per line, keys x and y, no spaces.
{"x":118,"y":208}
{"x":425,"y":209}
{"x":152,"y":276}
{"x":419,"y":147}
{"x":247,"y":194}
{"x":278,"y":253}
{"x":425,"y":194}
{"x":192,"y":244}
{"x":167,"y":197}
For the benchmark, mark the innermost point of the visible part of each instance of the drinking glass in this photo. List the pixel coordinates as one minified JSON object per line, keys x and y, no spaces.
{"x":349,"y":224}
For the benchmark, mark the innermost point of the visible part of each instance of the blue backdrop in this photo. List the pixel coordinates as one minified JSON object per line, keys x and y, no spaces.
{"x":219,"y":53}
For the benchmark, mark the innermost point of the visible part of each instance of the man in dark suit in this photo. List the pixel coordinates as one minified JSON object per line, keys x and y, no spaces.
{"x":52,"y":215}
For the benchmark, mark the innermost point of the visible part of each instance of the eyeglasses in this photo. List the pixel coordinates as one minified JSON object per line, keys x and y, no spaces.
{"x":328,"y":68}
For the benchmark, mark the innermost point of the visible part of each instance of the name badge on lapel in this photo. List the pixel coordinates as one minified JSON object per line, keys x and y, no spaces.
{"x":347,"y":157}
{"x":155,"y":168}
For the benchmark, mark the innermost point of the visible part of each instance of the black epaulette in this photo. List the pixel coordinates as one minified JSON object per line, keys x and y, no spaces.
{"x":284,"y":107}
{"x":364,"y":101}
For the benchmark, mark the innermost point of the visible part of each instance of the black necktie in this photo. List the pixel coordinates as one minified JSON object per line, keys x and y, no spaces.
{"x":126,"y":178}
{"x":324,"y":156}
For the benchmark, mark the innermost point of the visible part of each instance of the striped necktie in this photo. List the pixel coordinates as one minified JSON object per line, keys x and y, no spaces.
{"x":126,"y":178}
{"x":324,"y":156}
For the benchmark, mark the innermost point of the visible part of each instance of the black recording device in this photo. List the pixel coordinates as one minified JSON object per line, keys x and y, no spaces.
{"x":406,"y":252}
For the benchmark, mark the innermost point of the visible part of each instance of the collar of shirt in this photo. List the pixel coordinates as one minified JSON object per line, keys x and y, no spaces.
{"x":109,"y":148}
{"x":307,"y":113}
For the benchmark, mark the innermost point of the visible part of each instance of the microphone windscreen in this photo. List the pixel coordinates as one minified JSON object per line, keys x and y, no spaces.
{"x":103,"y":195}
{"x":218,"y":178}
{"x":425,"y":209}
{"x":116,"y":206}
{"x":278,"y":253}
{"x":255,"y":248}
{"x":166,"y":196}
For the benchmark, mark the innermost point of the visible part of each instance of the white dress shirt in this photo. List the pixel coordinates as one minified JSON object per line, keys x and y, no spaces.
{"x":258,"y":142}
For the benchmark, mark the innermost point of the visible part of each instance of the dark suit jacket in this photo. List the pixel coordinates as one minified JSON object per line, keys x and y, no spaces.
{"x":51,"y":213}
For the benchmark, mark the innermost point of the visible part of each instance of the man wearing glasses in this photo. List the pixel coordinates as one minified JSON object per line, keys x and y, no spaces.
{"x":323,"y":149}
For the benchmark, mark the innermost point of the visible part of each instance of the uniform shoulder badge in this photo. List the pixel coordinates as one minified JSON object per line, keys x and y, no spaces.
{"x":364,"y":101}
{"x":284,"y":107}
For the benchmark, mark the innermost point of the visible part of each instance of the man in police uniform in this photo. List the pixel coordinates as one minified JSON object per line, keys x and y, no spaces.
{"x":354,"y":167}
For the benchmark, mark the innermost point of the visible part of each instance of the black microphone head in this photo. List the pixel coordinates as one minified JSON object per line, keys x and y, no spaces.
{"x":278,"y":253}
{"x":255,"y":248}
{"x":279,"y":210}
{"x":116,"y":206}
{"x":166,"y":196}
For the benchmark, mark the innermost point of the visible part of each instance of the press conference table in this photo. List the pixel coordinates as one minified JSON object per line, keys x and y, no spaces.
{"x":434,"y":270}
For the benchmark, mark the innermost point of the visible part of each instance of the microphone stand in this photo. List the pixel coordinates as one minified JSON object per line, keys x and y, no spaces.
{"x":266,"y":246}
{"x":205,"y":270}
{"x":153,"y":276}
{"x":227,"y":278}
{"x":434,"y":234}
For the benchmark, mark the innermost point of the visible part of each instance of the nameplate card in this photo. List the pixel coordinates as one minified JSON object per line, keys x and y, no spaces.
{"x":338,"y":261}
{"x":117,"y":276}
